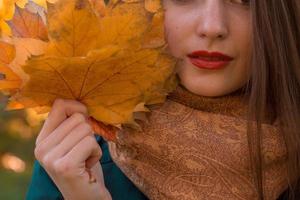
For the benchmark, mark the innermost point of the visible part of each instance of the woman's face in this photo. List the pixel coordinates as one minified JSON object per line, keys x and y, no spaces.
{"x":213,"y":40}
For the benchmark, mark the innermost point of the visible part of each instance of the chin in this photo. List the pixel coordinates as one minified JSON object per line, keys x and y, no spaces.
{"x":203,"y":91}
{"x":209,"y":84}
{"x":207,"y":90}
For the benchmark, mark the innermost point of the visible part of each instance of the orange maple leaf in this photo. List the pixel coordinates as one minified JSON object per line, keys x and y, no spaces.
{"x":113,"y":62}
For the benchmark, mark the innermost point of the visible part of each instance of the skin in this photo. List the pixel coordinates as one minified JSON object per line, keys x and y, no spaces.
{"x":68,"y":150}
{"x":211,"y":25}
{"x":66,"y":147}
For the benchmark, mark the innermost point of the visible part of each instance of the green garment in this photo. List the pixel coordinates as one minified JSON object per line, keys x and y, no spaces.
{"x":119,"y":186}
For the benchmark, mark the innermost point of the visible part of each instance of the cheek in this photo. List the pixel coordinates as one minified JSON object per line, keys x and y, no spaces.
{"x":241,"y":39}
{"x":245,"y":47}
{"x":174,"y":34}
{"x":241,"y":35}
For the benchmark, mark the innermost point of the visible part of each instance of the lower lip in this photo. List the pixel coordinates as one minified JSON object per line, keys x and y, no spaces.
{"x":204,"y":64}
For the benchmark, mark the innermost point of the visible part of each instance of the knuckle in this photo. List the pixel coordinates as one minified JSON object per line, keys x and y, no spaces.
{"x":84,"y":108}
{"x":39,"y":152}
{"x":85,"y":127}
{"x":37,"y":141}
{"x":91,"y":140}
{"x":58,"y":103}
{"x":99,"y":151}
{"x":47,"y":162}
{"x":62,"y":168}
{"x":92,"y":143}
{"x":78,"y":117}
{"x":80,"y":106}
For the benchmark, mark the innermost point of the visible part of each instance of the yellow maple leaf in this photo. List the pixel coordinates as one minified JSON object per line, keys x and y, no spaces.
{"x":25,"y":48}
{"x":150,"y":5}
{"x":9,"y":80}
{"x":154,"y":37}
{"x":7,"y":9}
{"x":72,"y":36}
{"x":153,"y":5}
{"x":111,"y":87}
{"x":43,"y":3}
{"x":13,"y":54}
{"x":15,"y":51}
{"x":114,"y":63}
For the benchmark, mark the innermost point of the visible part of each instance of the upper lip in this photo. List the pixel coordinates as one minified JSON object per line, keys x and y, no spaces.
{"x":210,"y":56}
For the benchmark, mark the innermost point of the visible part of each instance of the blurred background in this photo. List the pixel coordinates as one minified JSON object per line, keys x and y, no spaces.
{"x":18,"y":130}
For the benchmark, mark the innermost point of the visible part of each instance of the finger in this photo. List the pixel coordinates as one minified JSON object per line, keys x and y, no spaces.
{"x":77,"y":134}
{"x":97,"y":171}
{"x":91,"y":161}
{"x":61,"y":109}
{"x":58,"y":135}
{"x":86,"y":149}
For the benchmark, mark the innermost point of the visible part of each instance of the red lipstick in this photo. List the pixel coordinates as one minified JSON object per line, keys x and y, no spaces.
{"x":209,"y":60}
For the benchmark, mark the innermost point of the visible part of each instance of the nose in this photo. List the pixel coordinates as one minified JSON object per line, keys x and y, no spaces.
{"x":212,"y":23}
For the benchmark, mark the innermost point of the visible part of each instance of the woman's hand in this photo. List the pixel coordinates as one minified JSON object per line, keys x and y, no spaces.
{"x":68,"y":151}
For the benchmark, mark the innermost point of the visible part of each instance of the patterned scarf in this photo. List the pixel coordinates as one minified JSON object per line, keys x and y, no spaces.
{"x":195,"y":148}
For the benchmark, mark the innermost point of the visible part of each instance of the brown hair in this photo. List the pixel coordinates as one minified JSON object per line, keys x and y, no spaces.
{"x":275,"y":81}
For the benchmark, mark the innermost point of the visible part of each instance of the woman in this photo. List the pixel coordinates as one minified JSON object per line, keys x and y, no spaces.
{"x":246,"y":53}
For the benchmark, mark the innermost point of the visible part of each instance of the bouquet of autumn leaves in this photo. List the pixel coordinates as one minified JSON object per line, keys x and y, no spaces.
{"x":111,"y":57}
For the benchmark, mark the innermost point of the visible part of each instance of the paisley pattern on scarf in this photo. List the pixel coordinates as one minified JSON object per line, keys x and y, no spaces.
{"x":190,"y":152}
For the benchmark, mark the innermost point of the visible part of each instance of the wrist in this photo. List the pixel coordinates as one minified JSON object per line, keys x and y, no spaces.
{"x":96,"y":191}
